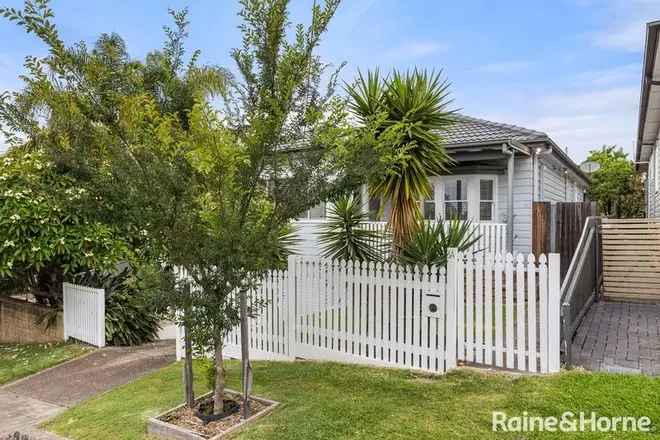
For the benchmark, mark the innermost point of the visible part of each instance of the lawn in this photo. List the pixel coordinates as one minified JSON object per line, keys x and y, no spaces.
{"x":328,"y":401}
{"x":20,"y":360}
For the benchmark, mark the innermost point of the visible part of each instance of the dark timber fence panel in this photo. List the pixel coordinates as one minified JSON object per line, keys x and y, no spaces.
{"x":557,"y":228}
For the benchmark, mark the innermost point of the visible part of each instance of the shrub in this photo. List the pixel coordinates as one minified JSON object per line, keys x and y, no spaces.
{"x":47,"y":227}
{"x":343,"y":236}
{"x":130,"y":317}
{"x":431,"y":242}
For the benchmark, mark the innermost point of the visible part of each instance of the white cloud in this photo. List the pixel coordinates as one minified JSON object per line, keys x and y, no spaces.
{"x":625,"y":25}
{"x":505,"y":67}
{"x":626,"y":73}
{"x":576,"y":119}
{"x":627,"y":36}
{"x":586,"y":120}
{"x":417,"y":49}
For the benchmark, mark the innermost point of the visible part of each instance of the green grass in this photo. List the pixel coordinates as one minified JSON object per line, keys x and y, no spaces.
{"x":20,"y":360}
{"x":328,"y":401}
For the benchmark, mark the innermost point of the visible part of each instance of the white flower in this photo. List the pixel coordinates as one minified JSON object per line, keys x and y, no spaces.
{"x":8,"y":243}
{"x":3,"y":177}
{"x":8,"y":161}
{"x":89,"y":254}
{"x":15,"y":217}
{"x":36,"y":248}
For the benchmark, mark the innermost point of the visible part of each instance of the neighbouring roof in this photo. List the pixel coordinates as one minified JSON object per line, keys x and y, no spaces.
{"x":649,"y":105}
{"x":469,"y":130}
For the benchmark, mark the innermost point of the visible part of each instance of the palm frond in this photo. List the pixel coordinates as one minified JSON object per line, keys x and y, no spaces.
{"x":344,"y":236}
{"x":412,"y":109}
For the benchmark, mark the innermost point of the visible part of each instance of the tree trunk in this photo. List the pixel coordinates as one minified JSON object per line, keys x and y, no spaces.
{"x":187,"y":366}
{"x":245,"y":357}
{"x":187,"y":370}
{"x":219,"y":391}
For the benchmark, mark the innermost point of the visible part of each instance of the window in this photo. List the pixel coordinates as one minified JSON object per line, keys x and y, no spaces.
{"x":428,"y":206}
{"x":374,"y":209}
{"x":456,"y":202}
{"x":486,"y":200}
{"x":315,"y":213}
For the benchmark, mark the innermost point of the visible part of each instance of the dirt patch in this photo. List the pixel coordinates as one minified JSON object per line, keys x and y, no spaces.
{"x":188,"y":418}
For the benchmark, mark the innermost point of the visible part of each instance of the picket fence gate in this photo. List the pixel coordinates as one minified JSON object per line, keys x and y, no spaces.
{"x":425,"y":318}
{"x":84,"y":314}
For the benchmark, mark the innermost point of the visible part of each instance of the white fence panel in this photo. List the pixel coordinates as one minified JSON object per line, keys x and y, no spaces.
{"x":84,"y":314}
{"x":509,"y":316}
{"x":268,"y":323}
{"x":484,"y":309}
{"x":376,"y":314}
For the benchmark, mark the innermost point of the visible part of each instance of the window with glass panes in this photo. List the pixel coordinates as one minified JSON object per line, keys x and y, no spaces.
{"x":486,"y":200}
{"x":428,"y":206}
{"x":456,"y":201}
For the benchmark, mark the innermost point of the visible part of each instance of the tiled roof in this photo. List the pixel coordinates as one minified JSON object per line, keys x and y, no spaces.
{"x":468,"y":130}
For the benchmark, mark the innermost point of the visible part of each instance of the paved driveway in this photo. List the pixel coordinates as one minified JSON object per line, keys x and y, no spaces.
{"x":26,"y":403}
{"x":619,"y":337}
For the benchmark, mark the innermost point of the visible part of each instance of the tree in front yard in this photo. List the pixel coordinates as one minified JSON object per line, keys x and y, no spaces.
{"x":46,"y":230}
{"x":215,"y":190}
{"x":616,"y":185}
{"x":407,"y":112}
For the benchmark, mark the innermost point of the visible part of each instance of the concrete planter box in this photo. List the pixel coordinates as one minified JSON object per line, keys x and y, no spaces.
{"x":164,"y":430}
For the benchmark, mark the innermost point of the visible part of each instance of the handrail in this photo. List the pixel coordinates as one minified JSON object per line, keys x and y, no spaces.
{"x":581,"y":284}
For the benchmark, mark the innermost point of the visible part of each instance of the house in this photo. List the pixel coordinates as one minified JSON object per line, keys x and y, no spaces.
{"x":647,"y":154}
{"x":499,"y":171}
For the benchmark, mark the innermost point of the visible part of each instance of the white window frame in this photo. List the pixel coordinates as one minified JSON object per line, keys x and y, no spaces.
{"x":473,"y":195}
{"x":478,"y":199}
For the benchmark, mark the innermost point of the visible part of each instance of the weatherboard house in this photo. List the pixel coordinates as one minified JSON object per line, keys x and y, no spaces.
{"x":499,"y":171}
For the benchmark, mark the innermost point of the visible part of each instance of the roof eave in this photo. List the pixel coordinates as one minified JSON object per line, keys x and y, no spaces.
{"x":650,"y":47}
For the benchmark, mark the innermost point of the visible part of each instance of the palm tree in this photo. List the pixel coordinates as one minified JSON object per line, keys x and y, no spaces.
{"x":343,"y":236}
{"x":408,"y":113}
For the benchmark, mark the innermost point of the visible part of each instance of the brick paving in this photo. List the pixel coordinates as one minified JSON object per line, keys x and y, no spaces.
{"x":619,"y":337}
{"x":27,"y":403}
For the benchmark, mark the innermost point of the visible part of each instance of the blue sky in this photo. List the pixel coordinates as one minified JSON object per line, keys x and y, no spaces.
{"x":571,"y":68}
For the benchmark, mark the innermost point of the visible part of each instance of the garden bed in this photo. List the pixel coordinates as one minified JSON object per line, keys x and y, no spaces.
{"x":183,"y":423}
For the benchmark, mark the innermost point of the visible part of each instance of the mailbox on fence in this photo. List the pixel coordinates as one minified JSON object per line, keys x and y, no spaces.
{"x":431,"y":304}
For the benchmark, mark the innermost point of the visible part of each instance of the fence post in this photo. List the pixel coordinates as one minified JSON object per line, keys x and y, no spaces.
{"x":450,"y":294}
{"x":554,"y":313}
{"x":65,"y":307}
{"x":291,"y":306}
{"x":100,"y":324}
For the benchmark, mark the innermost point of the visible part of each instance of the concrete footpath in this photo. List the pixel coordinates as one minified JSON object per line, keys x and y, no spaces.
{"x":28,"y":402}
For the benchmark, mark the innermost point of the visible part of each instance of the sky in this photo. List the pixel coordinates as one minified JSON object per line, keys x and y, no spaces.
{"x":570,"y":68}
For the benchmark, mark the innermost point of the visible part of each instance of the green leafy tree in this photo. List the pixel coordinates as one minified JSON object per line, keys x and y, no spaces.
{"x":616,"y":185}
{"x":215,"y":190}
{"x":45,"y":234}
{"x":406,"y":113}
{"x":344,"y":235}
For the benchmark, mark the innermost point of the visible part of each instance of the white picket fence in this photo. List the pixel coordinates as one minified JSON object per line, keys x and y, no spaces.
{"x":416,"y":318}
{"x":508,"y":312}
{"x":84,"y":314}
